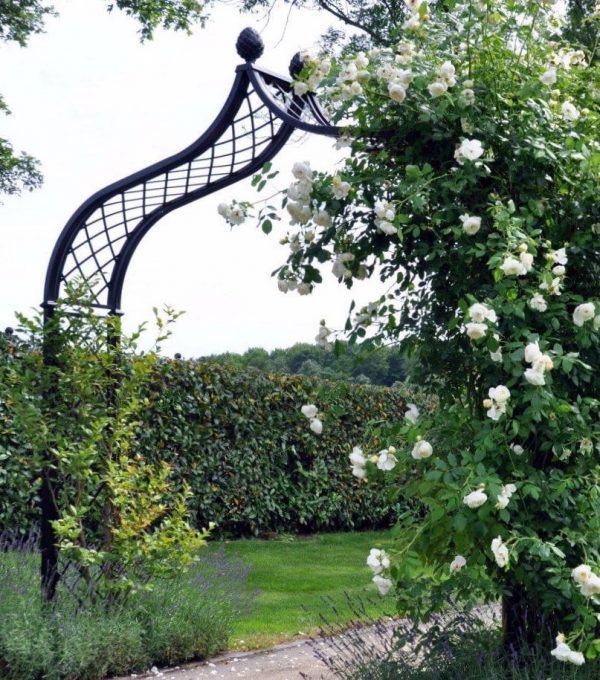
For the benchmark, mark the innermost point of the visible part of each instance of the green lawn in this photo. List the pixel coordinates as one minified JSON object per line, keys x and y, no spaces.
{"x":294,"y":575}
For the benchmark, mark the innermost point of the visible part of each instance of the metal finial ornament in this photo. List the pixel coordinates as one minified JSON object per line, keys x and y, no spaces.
{"x":249,"y":45}
{"x":296,"y":65}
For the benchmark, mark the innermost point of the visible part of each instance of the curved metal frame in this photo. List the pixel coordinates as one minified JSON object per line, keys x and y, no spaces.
{"x":99,"y":240}
{"x":97,"y":243}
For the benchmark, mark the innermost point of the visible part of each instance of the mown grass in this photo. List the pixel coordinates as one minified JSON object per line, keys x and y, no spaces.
{"x":299,"y":578}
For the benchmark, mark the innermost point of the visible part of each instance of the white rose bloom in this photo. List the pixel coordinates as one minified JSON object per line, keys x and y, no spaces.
{"x":301,"y":170}
{"x":526,"y":261}
{"x":559,"y":256}
{"x":387,"y":228}
{"x":437,"y":88}
{"x":513,"y":267}
{"x":480,"y":313}
{"x":584,"y":313}
{"x":339,"y":188}
{"x":504,"y":496}
{"x":569,"y":112}
{"x":283,"y":285}
{"x":499,"y":394}
{"x":397,"y":92}
{"x":468,"y":95}
{"x":224,"y":210}
{"x":447,"y":71}
{"x":576,"y":658}
{"x":322,"y":218}
{"x":378,"y":560}
{"x":384,"y":585}
{"x":475,"y":499}
{"x":559,"y":270}
{"x":304,"y":289}
{"x":562,"y":651}
{"x":237,"y":215}
{"x":476,"y":330}
{"x":387,"y":460}
{"x":553,"y":288}
{"x":532,"y":352}
{"x":422,"y":449}
{"x":300,"y":88}
{"x":581,"y":574}
{"x":538,"y":302}
{"x":535,"y":377}
{"x":549,"y":76}
{"x":591,"y":586}
{"x":496,"y":411}
{"x":343,"y":142}
{"x":500,"y":552}
{"x":471,"y":224}
{"x":496,"y":356}
{"x":470,"y":150}
{"x":357,"y":457}
{"x":359,"y":472}
{"x":457,"y":563}
{"x":517,"y":449}
{"x":316,"y":426}
{"x":309,"y":411}
{"x":412,"y":413}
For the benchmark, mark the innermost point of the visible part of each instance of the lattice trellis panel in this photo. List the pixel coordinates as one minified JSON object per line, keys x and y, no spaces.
{"x":97,"y":244}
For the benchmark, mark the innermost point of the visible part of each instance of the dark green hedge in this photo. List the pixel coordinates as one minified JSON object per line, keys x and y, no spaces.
{"x":238,"y":438}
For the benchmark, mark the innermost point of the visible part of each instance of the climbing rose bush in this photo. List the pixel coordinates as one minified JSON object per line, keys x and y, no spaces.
{"x":470,"y":188}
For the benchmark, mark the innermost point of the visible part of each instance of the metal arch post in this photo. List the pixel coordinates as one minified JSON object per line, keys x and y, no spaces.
{"x":99,"y":240}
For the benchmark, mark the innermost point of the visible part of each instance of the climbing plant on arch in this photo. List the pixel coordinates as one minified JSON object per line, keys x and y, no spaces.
{"x":97,"y":244}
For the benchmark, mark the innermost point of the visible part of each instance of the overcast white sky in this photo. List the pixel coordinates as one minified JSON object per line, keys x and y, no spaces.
{"x":95,"y":105}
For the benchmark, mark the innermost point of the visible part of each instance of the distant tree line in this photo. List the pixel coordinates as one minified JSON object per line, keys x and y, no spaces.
{"x":351,"y":363}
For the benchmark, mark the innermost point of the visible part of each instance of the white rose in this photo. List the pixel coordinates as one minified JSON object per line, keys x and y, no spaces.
{"x":517,"y":449}
{"x":412,"y":413}
{"x":496,"y":411}
{"x":447,"y":71}
{"x":549,"y":76}
{"x":322,"y":218}
{"x":316,"y":426}
{"x":224,"y":210}
{"x":584,"y":313}
{"x":387,"y":461}
{"x":480,"y":312}
{"x":378,"y":560}
{"x":301,"y":170}
{"x":476,"y":330}
{"x":538,"y":302}
{"x":470,"y":150}
{"x":384,"y":585}
{"x":304,"y":289}
{"x":562,"y":651}
{"x":500,"y":552}
{"x":422,"y":449}
{"x":526,"y":260}
{"x":535,"y":377}
{"x":475,"y":499}
{"x":499,"y":394}
{"x":359,"y":472}
{"x":387,"y":228}
{"x":532,"y":352}
{"x":591,"y":586}
{"x":283,"y":285}
{"x":339,"y":188}
{"x":309,"y":411}
{"x":397,"y":92}
{"x":437,"y":88}
{"x":504,"y":496}
{"x":559,"y":256}
{"x":457,"y":563}
{"x":559,"y":270}
{"x":569,"y":112}
{"x":468,"y":95}
{"x":471,"y":224}
{"x":513,"y":267}
{"x":581,"y":574}
{"x":300,"y":88}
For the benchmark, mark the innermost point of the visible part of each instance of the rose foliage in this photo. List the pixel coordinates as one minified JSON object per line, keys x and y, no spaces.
{"x":470,"y":188}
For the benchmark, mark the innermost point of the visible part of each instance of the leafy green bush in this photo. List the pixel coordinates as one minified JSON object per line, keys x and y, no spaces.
{"x":178,"y":619}
{"x":238,"y":438}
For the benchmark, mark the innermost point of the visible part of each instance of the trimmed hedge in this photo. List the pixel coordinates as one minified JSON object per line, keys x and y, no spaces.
{"x":238,"y":438}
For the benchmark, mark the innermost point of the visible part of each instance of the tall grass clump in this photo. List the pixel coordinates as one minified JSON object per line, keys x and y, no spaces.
{"x":456,"y":645}
{"x":164,"y":621}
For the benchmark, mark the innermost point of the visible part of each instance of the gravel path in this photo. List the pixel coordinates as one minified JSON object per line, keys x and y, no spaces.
{"x":284,"y":662}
